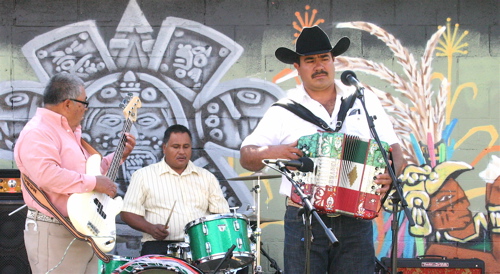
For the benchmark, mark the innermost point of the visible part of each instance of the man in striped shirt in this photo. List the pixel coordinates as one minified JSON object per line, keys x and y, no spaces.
{"x":175,"y":180}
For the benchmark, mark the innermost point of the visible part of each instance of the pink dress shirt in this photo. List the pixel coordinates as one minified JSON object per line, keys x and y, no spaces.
{"x":52,"y":156}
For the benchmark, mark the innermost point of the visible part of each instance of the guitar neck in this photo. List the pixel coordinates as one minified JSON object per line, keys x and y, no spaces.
{"x":115,"y":162}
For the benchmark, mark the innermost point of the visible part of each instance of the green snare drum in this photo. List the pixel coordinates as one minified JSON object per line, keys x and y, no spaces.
{"x":114,"y":263}
{"x":212,"y":236}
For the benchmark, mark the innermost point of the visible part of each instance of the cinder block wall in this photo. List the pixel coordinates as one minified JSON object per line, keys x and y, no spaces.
{"x":126,"y":36}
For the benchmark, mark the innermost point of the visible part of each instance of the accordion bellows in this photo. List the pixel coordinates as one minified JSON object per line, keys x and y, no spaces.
{"x":342,"y":181}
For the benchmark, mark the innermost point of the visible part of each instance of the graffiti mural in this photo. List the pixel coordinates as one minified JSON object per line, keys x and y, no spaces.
{"x":177,"y":69}
{"x":438,"y":204}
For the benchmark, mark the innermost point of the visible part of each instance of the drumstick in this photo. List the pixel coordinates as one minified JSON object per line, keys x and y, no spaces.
{"x":170,"y":215}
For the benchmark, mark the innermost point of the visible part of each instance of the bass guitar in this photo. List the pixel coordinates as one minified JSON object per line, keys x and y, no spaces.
{"x":93,"y":213}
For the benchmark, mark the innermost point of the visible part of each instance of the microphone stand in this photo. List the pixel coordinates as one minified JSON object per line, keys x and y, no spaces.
{"x":228,"y":255}
{"x":272,"y":262}
{"x":396,"y":197}
{"x":308,"y":211}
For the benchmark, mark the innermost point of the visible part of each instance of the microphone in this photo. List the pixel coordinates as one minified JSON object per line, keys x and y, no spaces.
{"x":348,"y":78}
{"x":303,"y":164}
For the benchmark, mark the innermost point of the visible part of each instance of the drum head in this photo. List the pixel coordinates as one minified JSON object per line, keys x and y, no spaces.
{"x":215,"y":217}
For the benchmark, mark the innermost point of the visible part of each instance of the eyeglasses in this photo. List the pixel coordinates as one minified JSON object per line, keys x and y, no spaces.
{"x":85,"y":103}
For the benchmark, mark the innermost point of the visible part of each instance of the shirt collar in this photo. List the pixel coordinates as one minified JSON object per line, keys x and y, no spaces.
{"x":57,"y":118}
{"x":165,"y":168}
{"x":301,"y":96}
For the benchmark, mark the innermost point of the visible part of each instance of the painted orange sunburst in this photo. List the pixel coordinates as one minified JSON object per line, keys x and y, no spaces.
{"x":307,"y":20}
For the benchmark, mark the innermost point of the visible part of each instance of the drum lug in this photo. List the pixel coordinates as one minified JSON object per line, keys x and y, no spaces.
{"x":208,"y":248}
{"x":205,"y":229}
{"x":236,"y":225}
{"x":239,"y":241}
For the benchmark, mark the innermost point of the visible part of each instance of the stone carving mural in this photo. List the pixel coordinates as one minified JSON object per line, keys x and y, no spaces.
{"x":177,"y":73}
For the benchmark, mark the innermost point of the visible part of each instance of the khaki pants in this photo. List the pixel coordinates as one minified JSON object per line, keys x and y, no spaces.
{"x":46,"y":245}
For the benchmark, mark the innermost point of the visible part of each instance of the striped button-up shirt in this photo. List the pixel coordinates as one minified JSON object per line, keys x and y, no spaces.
{"x":154,"y":189}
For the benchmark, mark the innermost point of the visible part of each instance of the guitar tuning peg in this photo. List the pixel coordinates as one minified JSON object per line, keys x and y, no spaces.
{"x":124,"y":102}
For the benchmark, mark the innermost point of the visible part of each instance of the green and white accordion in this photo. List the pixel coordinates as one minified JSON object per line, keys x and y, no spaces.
{"x":342,"y":181}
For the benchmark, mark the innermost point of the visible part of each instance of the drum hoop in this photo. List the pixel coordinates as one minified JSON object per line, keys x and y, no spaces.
{"x":120,"y":258}
{"x":175,"y":261}
{"x":191,"y":269}
{"x":179,"y":244}
{"x":221,"y":255}
{"x":215,"y":217}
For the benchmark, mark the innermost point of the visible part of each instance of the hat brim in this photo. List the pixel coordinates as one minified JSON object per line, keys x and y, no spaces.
{"x":289,"y":56}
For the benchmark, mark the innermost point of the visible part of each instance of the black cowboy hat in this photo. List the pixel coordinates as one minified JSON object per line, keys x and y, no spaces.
{"x":312,"y":40}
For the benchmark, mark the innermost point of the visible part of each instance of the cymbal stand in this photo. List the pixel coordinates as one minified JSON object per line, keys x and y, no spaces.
{"x":257,"y":233}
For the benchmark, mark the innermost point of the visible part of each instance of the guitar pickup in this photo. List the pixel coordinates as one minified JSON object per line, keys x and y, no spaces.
{"x":93,"y":228}
{"x":100,"y":208}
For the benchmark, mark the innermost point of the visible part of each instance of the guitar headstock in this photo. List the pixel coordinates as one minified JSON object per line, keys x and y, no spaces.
{"x":130,"y":111}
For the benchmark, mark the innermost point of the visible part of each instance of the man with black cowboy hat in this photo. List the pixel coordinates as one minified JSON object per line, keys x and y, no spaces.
{"x":276,"y":135}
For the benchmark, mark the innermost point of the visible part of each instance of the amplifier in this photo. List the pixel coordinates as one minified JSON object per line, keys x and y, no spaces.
{"x":10,"y":184}
{"x":436,"y":265}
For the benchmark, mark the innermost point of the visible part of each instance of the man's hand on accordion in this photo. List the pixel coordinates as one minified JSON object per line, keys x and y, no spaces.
{"x":384,"y":180}
{"x":287,"y":151}
{"x":251,"y":156}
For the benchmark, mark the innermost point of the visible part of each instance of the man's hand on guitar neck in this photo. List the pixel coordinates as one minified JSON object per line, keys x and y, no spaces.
{"x":105,"y":185}
{"x":129,"y":145}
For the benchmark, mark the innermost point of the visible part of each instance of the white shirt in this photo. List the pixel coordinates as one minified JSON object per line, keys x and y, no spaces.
{"x":280,"y":126}
{"x":154,"y":189}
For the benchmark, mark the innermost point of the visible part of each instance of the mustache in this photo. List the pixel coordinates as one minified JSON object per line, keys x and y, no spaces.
{"x":319,"y":73}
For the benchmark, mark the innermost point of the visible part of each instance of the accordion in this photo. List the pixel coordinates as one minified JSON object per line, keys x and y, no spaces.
{"x":342,"y":181}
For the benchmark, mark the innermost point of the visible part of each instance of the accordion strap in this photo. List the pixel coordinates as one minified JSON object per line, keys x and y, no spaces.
{"x":307,"y":115}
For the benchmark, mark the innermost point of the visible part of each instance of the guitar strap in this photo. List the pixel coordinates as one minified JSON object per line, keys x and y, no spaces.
{"x":89,"y":148}
{"x":41,"y":198}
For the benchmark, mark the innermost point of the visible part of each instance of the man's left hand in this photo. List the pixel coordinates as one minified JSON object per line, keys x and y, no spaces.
{"x":129,"y":145}
{"x":384,"y":180}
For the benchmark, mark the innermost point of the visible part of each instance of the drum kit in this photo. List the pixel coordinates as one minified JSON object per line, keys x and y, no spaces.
{"x":218,"y":243}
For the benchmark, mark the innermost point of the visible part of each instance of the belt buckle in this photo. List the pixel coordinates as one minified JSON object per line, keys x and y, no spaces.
{"x":33,"y":213}
{"x":39,"y":216}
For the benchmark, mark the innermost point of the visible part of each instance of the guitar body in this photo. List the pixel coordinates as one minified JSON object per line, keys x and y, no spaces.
{"x":93,"y":213}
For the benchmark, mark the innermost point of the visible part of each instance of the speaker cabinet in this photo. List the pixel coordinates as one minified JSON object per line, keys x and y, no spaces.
{"x":13,"y":258}
{"x":441,"y":265}
{"x":10,"y":184}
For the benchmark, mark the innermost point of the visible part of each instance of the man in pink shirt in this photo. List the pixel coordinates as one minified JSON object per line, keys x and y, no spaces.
{"x":49,"y":152}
